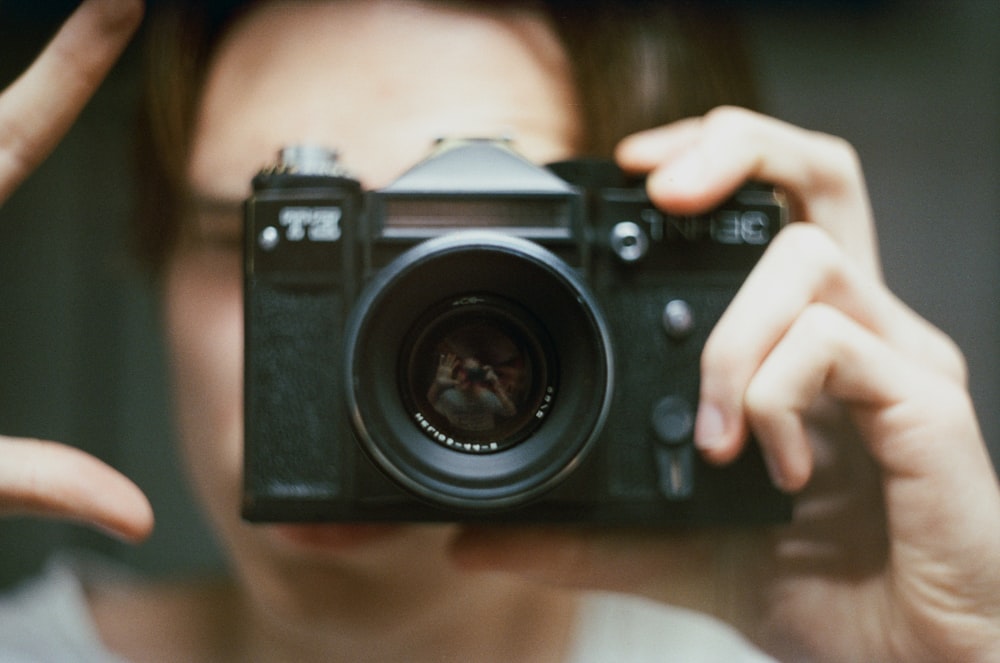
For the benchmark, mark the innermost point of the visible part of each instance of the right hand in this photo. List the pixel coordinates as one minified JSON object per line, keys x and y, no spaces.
{"x":859,"y":406}
{"x":48,"y":478}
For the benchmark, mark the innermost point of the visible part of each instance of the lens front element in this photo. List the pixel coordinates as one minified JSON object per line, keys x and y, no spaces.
{"x":478,"y":373}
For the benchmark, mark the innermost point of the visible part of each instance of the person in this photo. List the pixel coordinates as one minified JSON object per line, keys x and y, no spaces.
{"x":860,"y":407}
{"x":469,"y":394}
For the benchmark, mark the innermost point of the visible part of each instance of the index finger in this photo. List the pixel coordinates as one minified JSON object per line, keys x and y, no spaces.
{"x":58,"y":481}
{"x":696,"y":164}
{"x":39,"y":107}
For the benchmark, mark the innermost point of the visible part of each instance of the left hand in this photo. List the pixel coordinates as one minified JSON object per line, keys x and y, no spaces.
{"x":860,"y":407}
{"x":39,"y":477}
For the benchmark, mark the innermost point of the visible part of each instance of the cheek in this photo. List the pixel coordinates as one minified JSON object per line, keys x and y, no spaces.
{"x":203,"y":313}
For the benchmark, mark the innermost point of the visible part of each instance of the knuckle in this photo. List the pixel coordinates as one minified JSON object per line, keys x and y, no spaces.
{"x":812,"y":248}
{"x":840,"y":151}
{"x":721,"y":351}
{"x":959,"y":363}
{"x":805,"y":237}
{"x":820,"y":321}
{"x":760,"y":402}
{"x":729,"y":120}
{"x":819,"y":328}
{"x":841,"y":165}
{"x":818,"y":325}
{"x":955,"y":404}
{"x":952,"y":360}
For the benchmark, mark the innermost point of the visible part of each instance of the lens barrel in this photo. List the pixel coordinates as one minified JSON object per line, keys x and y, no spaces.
{"x":480,"y":370}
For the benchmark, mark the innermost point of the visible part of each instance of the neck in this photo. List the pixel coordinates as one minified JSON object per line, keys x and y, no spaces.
{"x":481,"y":618}
{"x":419,"y":609}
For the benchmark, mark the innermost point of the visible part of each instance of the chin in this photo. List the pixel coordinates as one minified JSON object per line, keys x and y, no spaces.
{"x":375,"y":543}
{"x":334,"y":537}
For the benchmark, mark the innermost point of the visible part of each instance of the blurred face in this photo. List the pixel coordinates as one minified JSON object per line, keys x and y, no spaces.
{"x":378,"y":81}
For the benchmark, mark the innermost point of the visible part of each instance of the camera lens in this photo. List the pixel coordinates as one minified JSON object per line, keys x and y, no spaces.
{"x":478,"y":373}
{"x":479,"y":370}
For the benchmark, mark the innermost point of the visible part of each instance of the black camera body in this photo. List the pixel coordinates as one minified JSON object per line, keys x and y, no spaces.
{"x":488,"y":340}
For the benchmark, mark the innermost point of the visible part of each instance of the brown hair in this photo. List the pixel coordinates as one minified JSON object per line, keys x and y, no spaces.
{"x":637,"y":64}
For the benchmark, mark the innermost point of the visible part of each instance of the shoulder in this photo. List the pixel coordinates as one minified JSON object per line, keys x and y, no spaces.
{"x":48,"y":619}
{"x":87,"y":610}
{"x":634,"y":630}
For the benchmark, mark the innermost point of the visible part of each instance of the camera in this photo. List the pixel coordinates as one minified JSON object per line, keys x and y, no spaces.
{"x":485,"y":339}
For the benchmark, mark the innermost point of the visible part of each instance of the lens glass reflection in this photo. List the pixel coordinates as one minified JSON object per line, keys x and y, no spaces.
{"x":478,"y":374}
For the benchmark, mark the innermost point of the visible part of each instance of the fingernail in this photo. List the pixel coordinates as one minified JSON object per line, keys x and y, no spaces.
{"x":709,"y":428}
{"x":776,"y":473}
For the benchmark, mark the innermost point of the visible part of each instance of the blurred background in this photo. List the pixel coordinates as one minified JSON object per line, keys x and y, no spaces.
{"x":915,"y":86}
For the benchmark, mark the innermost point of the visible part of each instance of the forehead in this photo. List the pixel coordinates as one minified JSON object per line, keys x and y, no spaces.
{"x":378,"y":81}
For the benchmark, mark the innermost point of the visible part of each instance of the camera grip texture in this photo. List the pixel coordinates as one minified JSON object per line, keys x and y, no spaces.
{"x":293,"y":395}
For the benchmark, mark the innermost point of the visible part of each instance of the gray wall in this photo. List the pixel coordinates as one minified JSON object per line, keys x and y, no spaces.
{"x":80,"y":354}
{"x":913,"y":85}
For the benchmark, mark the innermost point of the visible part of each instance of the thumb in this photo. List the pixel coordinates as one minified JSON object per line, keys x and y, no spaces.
{"x":39,"y":107}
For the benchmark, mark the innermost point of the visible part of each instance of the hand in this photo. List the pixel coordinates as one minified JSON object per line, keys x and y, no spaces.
{"x":54,"y":480}
{"x":447,"y":364}
{"x":444,"y":379}
{"x":861,"y":410}
{"x":47,"y":478}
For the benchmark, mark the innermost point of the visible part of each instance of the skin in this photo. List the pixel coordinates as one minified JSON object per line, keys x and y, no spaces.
{"x":861,"y":409}
{"x":361,"y":580}
{"x":40,"y":477}
{"x":860,"y":406}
